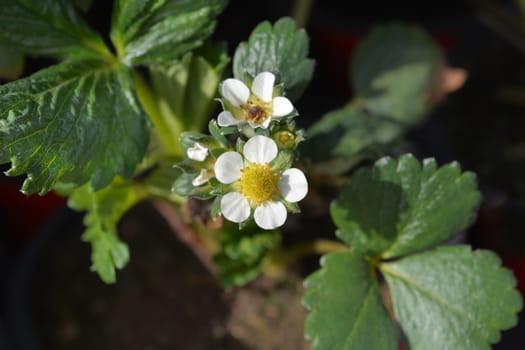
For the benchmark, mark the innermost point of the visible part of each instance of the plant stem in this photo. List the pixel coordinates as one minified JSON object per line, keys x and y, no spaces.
{"x":280,"y":259}
{"x":100,"y":49}
{"x":301,"y":12}
{"x":161,"y":131}
{"x":186,"y":234}
{"x":317,"y":247}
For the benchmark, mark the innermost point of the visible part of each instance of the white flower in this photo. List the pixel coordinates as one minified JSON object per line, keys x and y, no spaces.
{"x":202,"y":178}
{"x":257,"y":107}
{"x":257,"y":185}
{"x":198,"y":152}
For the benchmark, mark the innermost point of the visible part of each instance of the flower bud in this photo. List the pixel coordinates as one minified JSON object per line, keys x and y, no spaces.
{"x":285,"y":139}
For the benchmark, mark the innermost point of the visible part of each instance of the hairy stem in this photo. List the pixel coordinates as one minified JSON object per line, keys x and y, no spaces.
{"x":186,"y":234}
{"x":164,"y":134}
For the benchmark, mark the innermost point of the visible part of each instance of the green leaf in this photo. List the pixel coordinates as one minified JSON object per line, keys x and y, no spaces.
{"x":51,"y":27}
{"x":104,"y":209}
{"x":282,"y":50}
{"x":108,"y":252}
{"x":189,"y":138}
{"x":402,"y":206}
{"x":243,"y":252}
{"x":392,"y":70}
{"x":452,"y":298}
{"x":218,"y":133}
{"x":346,"y":310}
{"x":75,"y":122}
{"x":183,"y":186}
{"x":156,"y":31}
{"x":346,"y":137}
{"x":184,"y":93}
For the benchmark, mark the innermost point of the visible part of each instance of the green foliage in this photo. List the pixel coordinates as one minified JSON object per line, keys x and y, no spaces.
{"x":50,"y":27}
{"x":182,"y":186}
{"x":348,"y":135}
{"x":243,"y":252}
{"x":80,"y":126}
{"x":346,"y":309}
{"x":108,"y":252}
{"x":184,"y":92}
{"x":282,"y":50}
{"x":402,"y":206}
{"x":387,"y":56}
{"x":393,"y":72}
{"x":449,"y":297}
{"x":452,"y":298}
{"x":158,"y":181}
{"x":104,"y":210}
{"x":75,"y":122}
{"x":157,"y":31}
{"x":80,"y":121}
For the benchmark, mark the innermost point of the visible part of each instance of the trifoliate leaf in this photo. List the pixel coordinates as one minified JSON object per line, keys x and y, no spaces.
{"x":242,"y":253}
{"x":104,"y":209}
{"x":452,"y":298}
{"x":75,"y":122}
{"x":346,"y":310}
{"x":51,"y":27}
{"x":156,"y":31}
{"x":402,"y":206}
{"x":393,"y":69}
{"x":347,"y":136}
{"x":281,"y":49}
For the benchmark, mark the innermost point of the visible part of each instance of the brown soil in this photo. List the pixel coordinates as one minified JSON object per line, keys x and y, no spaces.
{"x":164,"y":299}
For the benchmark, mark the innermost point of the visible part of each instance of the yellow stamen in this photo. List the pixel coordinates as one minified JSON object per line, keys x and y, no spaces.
{"x":256,"y":111}
{"x":259,"y":183}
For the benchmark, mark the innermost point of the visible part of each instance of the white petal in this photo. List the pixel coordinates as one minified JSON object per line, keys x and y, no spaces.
{"x":235,"y":92}
{"x":235,"y":207}
{"x":198,"y":152}
{"x":225,"y":118}
{"x":266,"y":123}
{"x":262,"y":86}
{"x":263,"y":125}
{"x":202,"y":178}
{"x":270,"y":215}
{"x":228,"y":167}
{"x":293,"y":185}
{"x":260,"y":149}
{"x":281,"y":107}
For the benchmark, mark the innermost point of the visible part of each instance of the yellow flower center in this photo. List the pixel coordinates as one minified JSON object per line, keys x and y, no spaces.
{"x":259,"y":183}
{"x":256,"y":111}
